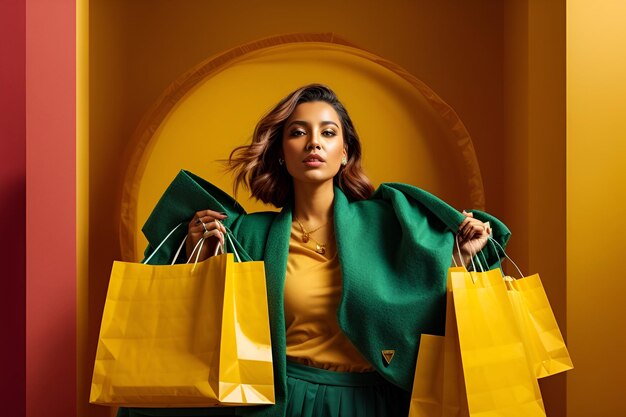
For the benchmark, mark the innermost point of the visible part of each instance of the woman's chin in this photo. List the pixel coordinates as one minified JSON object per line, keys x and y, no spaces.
{"x":313,"y":178}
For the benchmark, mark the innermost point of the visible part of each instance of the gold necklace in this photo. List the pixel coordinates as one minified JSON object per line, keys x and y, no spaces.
{"x":319,"y":247}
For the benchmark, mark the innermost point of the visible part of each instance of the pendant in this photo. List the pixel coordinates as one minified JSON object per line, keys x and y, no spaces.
{"x":321,"y":249}
{"x":305,"y":237}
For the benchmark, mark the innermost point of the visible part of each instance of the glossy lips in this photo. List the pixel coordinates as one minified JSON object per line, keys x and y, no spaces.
{"x":313,"y":160}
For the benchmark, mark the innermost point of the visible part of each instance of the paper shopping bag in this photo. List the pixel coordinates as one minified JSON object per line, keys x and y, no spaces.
{"x":454,"y":393}
{"x":540,"y":332}
{"x":438,"y":387}
{"x":498,"y":378}
{"x":427,"y":393}
{"x":185,"y":335}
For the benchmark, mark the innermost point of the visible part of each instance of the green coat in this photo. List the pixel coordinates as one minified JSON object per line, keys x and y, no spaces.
{"x":394,"y":249}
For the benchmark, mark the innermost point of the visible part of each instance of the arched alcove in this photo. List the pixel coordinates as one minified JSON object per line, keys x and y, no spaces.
{"x":409,"y":133}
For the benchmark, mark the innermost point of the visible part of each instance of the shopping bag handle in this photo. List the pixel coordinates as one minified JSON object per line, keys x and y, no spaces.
{"x":145,"y":261}
{"x":456,"y":239}
{"x":232,"y":245}
{"x":219,"y":248}
{"x":197,"y":247}
{"x":494,"y":243}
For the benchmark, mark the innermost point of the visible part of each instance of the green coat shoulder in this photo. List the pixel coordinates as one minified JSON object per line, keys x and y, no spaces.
{"x":189,"y":193}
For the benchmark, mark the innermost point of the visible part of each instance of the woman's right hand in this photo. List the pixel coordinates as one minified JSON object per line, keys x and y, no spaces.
{"x":214,"y":233}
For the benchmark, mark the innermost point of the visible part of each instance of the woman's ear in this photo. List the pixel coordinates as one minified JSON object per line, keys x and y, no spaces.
{"x":344,"y":157}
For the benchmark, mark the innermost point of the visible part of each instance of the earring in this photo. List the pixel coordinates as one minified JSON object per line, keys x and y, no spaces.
{"x":344,"y":161}
{"x":281,"y":161}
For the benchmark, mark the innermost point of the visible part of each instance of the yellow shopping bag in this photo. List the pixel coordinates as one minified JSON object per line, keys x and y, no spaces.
{"x":427,"y":393}
{"x":185,"y":335}
{"x":454,"y":393}
{"x":496,"y":371}
{"x":438,"y":386}
{"x":542,"y":337}
{"x":545,"y":347}
{"x":479,"y":368}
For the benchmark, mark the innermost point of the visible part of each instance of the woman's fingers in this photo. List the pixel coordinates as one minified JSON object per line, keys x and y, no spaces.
{"x":478,"y":229}
{"x":465,"y":228}
{"x":222,"y":227}
{"x":208,"y":215}
{"x":472,"y":234}
{"x":199,"y":228}
{"x":218,"y":225}
{"x":214,"y":233}
{"x":206,"y":224}
{"x":471,"y":228}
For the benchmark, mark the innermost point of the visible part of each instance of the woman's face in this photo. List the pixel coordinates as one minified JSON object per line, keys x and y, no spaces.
{"x":313,"y":144}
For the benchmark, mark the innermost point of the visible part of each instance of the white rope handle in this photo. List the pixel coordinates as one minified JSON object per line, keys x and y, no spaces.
{"x":161,"y":244}
{"x":232,"y":245}
{"x":456,"y":239}
{"x":476,"y":255}
{"x":180,"y":247}
{"x":494,"y":243}
{"x":200,"y":243}
{"x":223,"y":247}
{"x":218,"y":248}
{"x":484,"y":259}
{"x":197,"y":248}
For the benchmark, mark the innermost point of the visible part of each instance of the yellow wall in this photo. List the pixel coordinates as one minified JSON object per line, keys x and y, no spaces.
{"x":596,"y":206}
{"x":493,"y":62}
{"x":83,"y":324}
{"x":534,"y":156}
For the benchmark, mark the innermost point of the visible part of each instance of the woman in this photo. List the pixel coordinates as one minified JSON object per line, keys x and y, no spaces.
{"x":354,"y":275}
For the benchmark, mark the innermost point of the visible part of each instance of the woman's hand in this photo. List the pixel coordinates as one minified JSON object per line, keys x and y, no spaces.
{"x":205,"y":223}
{"x":472,"y":235}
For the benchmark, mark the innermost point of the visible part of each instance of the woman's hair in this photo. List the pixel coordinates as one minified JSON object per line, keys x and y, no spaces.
{"x":256,"y":165}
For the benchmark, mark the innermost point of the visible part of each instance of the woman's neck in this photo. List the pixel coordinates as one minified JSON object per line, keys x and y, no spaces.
{"x":314,"y":202}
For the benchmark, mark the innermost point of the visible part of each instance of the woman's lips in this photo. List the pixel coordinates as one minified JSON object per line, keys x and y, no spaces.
{"x":313,"y":161}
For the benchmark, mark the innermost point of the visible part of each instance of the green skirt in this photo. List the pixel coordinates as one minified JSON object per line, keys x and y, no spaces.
{"x":314,"y":392}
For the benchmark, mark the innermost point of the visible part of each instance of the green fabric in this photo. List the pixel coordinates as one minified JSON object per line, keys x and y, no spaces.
{"x":316,"y":392}
{"x":176,"y":412}
{"x":394,"y":249}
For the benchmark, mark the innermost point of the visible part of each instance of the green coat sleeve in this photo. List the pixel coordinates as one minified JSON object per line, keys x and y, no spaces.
{"x":450,"y":217}
{"x":395,"y":250}
{"x":186,"y":195}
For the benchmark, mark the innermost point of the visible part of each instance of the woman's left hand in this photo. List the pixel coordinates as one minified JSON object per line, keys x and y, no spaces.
{"x":473,"y":235}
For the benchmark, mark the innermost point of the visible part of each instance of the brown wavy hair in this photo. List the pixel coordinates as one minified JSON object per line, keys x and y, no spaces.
{"x":256,"y":166}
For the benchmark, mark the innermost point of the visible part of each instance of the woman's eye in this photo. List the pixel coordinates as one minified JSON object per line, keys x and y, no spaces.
{"x":327,"y":133}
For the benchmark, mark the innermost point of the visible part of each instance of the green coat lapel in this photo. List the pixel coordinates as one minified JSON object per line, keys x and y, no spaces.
{"x":276,"y":253}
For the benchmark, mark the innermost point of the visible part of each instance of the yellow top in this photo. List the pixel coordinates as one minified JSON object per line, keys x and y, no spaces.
{"x":312,"y":294}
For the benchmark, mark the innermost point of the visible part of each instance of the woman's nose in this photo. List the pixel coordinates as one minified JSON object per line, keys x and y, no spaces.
{"x":314,"y":142}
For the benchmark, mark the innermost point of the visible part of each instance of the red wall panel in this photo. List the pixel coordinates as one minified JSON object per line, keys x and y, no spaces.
{"x":12,"y":206}
{"x":50,"y":208}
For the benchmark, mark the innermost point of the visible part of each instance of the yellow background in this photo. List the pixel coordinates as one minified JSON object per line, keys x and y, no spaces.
{"x":596,"y":206}
{"x":500,"y":65}
{"x":407,"y":133}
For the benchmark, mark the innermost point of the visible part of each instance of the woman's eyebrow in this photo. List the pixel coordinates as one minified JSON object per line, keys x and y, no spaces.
{"x":302,"y":122}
